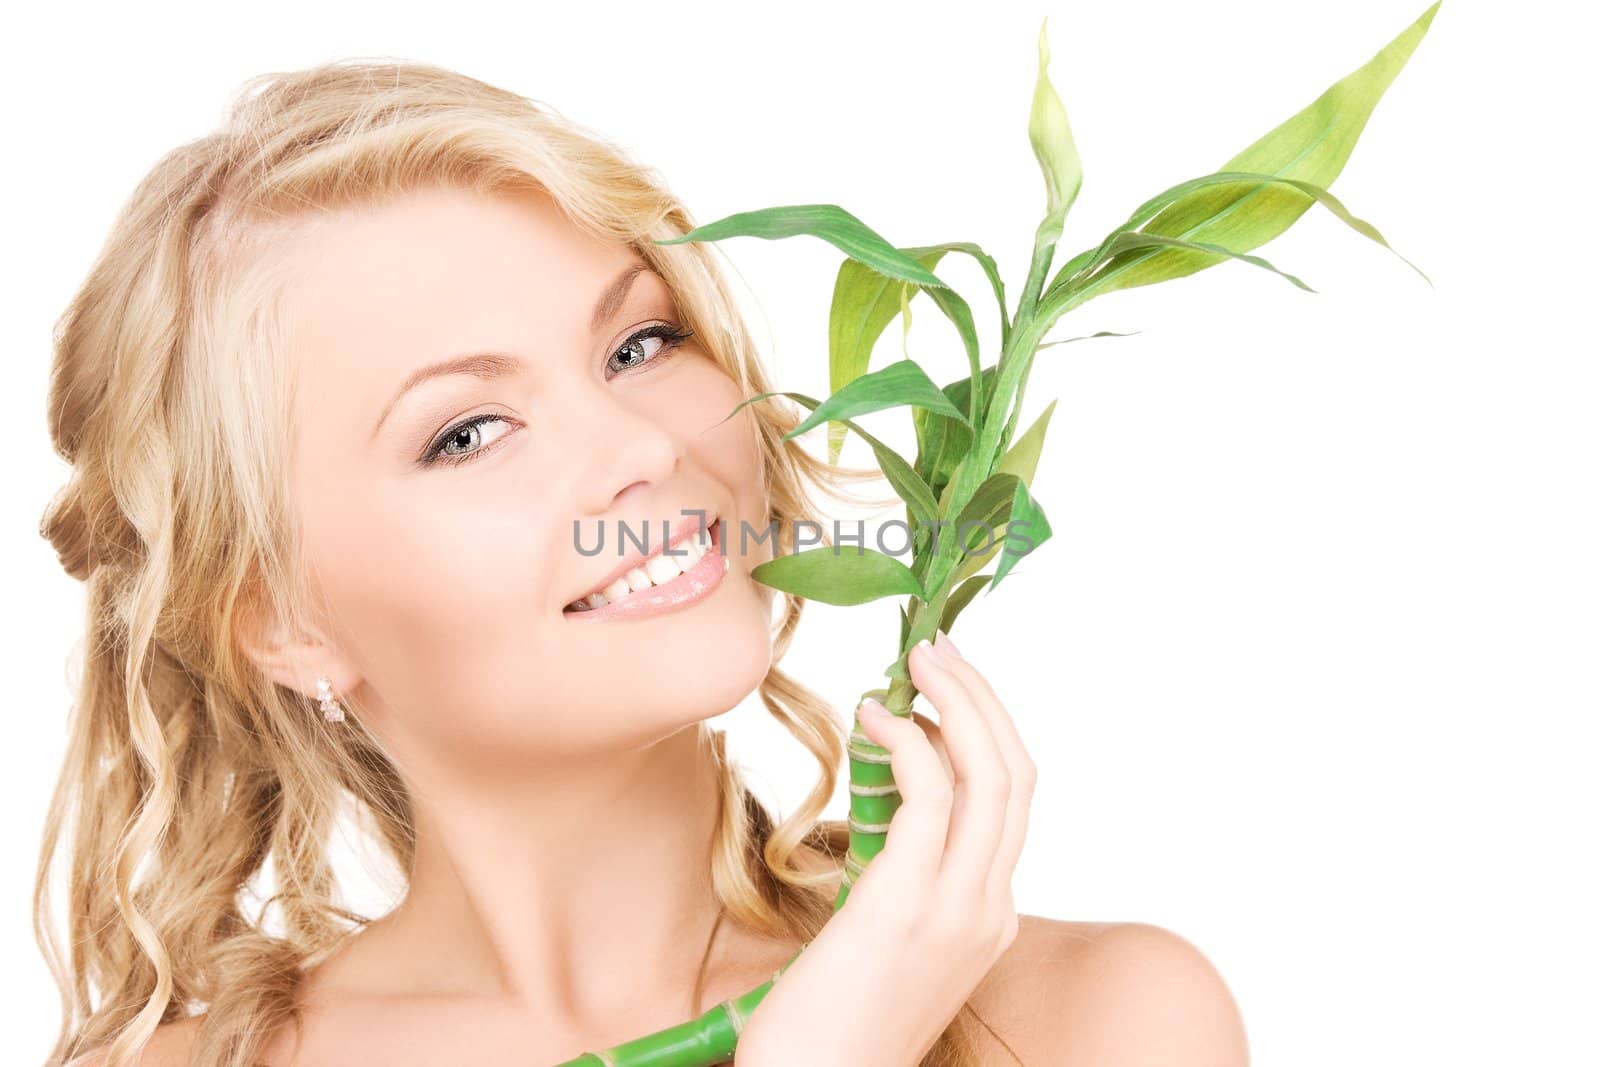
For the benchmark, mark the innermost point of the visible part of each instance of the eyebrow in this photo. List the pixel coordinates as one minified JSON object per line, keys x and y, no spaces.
{"x":491,"y":365}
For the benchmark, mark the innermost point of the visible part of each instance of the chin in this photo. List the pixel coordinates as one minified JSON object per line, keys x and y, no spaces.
{"x":730,"y":661}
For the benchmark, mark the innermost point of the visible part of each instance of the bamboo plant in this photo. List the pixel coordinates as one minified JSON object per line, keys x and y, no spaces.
{"x":970,"y":478}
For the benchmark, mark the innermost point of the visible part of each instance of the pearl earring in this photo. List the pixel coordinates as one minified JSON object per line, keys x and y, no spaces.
{"x":331,"y":710}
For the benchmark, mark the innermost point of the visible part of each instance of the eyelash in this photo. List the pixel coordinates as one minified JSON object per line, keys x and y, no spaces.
{"x":435,"y":456}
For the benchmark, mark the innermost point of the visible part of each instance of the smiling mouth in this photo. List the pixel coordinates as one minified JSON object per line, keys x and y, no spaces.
{"x":693,"y":568}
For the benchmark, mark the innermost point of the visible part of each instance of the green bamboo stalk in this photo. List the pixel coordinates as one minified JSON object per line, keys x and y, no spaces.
{"x":707,"y":1039}
{"x":1259,"y":193}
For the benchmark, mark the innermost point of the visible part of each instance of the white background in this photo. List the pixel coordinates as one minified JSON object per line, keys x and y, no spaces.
{"x":1309,"y":666}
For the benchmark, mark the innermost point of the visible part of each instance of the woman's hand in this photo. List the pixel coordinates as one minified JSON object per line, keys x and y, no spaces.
{"x":932,"y":912}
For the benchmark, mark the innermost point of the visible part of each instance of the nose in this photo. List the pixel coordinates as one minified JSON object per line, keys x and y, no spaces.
{"x":618,"y":449}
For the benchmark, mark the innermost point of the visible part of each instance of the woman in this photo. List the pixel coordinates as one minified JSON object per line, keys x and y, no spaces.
{"x":355,"y":390}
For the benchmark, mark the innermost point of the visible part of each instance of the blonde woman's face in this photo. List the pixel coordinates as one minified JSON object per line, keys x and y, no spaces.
{"x":451,"y":518}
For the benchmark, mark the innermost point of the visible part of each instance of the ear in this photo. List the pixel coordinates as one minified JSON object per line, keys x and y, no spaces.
{"x":296,"y":659}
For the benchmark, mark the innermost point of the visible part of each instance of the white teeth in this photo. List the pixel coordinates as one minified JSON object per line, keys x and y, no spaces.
{"x":656,"y":571}
{"x":662,"y":568}
{"x":688,"y":554}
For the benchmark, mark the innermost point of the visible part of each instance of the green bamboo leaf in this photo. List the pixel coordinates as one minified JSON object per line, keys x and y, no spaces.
{"x":1050,"y":134}
{"x":991,"y":507}
{"x":1089,"y":337}
{"x":990,"y":270}
{"x":906,"y":482}
{"x":959,"y":598}
{"x":988,"y":510}
{"x":1154,"y":205}
{"x":1312,"y":146}
{"x":956,"y":310}
{"x":854,"y":238}
{"x":1076,"y":272}
{"x":839,"y":575}
{"x":1025,"y":512}
{"x":865,"y":301}
{"x":949,"y":486}
{"x":900,"y":383}
{"x":831,"y":223}
{"x":1021,"y":460}
{"x":942,"y":442}
{"x":1135,"y":241}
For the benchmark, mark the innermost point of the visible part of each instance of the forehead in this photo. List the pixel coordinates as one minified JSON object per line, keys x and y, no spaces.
{"x":375,"y":290}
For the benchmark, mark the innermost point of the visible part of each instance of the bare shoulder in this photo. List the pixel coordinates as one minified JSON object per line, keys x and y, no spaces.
{"x":168,"y":1047}
{"x":1111,"y":994}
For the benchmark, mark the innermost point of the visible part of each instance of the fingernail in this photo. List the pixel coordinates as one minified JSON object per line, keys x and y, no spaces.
{"x":938,"y":657}
{"x":943,"y":643}
{"x":871,"y":709}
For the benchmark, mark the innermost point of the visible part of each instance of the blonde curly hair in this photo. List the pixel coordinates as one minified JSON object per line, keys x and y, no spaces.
{"x":187,"y":770}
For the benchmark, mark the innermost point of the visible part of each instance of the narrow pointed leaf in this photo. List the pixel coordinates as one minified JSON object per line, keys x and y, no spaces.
{"x":900,"y":383}
{"x":1153,"y":206}
{"x":1026,"y":530}
{"x":1076,"y":272}
{"x":854,"y":238}
{"x":990,"y":270}
{"x":956,"y":310}
{"x":1022,"y":458}
{"x":834,"y":574}
{"x":1126,"y":243}
{"x":949,"y":486}
{"x":987,"y":511}
{"x":1089,"y":337}
{"x":899,"y":473}
{"x":1312,"y":145}
{"x":865,"y":301}
{"x":959,"y":598}
{"x":942,"y":442}
{"x":830,"y":222}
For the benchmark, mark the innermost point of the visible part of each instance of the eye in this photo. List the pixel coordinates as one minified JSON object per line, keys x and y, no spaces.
{"x":438,"y":452}
{"x":635,"y":351}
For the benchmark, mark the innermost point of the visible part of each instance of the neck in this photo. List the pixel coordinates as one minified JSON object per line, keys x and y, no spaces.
{"x":584,"y":890}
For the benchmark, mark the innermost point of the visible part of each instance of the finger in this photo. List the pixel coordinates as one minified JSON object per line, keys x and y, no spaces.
{"x":915,"y":840}
{"x":935,"y":738}
{"x":1023,"y":772}
{"x":982,"y":786}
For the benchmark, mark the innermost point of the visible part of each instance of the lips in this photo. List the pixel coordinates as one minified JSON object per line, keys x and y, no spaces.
{"x":690,"y":586}
{"x":650,"y":535}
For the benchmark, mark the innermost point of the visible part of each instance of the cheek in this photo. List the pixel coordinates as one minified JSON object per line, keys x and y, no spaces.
{"x":730,"y":452}
{"x":421,"y":587}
